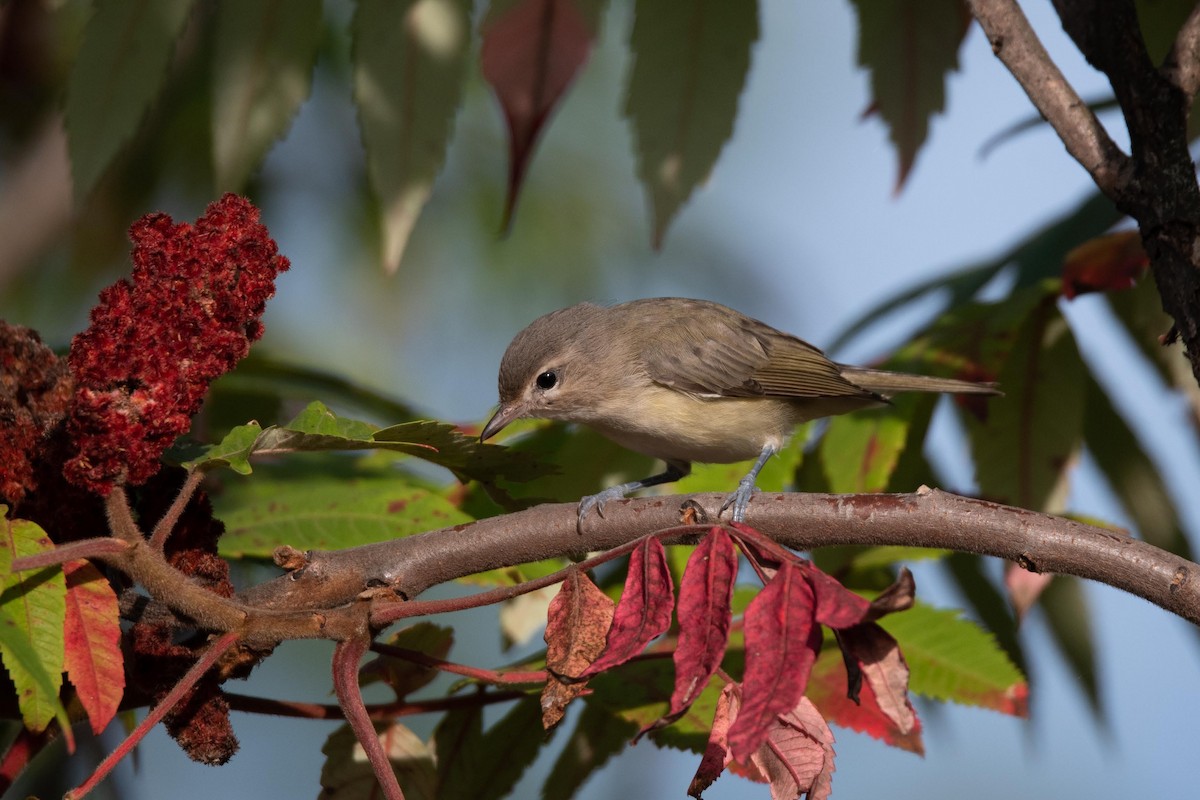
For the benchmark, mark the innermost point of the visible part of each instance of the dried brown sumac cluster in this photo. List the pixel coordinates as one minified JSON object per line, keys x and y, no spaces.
{"x":765,"y":727}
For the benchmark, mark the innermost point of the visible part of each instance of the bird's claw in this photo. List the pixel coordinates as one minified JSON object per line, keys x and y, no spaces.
{"x":597,"y":501}
{"x":740,"y":500}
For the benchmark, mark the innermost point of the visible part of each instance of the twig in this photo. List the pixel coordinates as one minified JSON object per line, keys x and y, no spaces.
{"x":346,"y":656}
{"x":1182,"y":64}
{"x":163,"y":529}
{"x":1016,"y":44}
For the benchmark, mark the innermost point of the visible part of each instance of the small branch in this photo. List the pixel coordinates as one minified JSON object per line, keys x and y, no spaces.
{"x":383,"y":711}
{"x":476,"y":673}
{"x":346,"y":656}
{"x":1182,"y":65}
{"x":87,"y":548}
{"x":1016,"y":44}
{"x":210,"y":657}
{"x":162,"y":530}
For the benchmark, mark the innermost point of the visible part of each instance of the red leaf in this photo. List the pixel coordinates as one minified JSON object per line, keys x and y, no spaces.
{"x":645,"y":608}
{"x":92,"y":634}
{"x":716,"y":755}
{"x":797,"y":757}
{"x":836,"y":606}
{"x":882,"y":664}
{"x":1107,"y":263}
{"x":704,"y":616}
{"x":576,"y":624}
{"x":1024,"y":587}
{"x":827,"y":689}
{"x":782,"y":640}
{"x":530,"y":53}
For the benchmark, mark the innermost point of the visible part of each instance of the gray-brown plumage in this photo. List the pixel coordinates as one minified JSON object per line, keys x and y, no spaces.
{"x":684,"y":380}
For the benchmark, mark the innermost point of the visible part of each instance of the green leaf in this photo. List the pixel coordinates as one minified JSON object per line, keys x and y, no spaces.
{"x":1024,"y":448}
{"x":989,"y":604}
{"x":33,"y":609}
{"x":347,"y":775}
{"x":909,"y":47}
{"x":952,"y":658}
{"x":859,"y":451}
{"x":121,"y":65}
{"x":316,"y":428}
{"x":488,"y":765}
{"x":1140,"y":310}
{"x":598,"y":736}
{"x":777,"y":475}
{"x":410,"y":59}
{"x":1160,"y":21}
{"x":1130,"y":473}
{"x":639,"y":692}
{"x":326,"y":510}
{"x":690,"y":64}
{"x":262,"y":73}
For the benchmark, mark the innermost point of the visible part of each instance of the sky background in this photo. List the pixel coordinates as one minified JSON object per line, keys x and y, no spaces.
{"x":798,"y":226}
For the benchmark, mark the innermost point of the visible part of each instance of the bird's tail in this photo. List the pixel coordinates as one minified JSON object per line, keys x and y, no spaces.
{"x":888,"y":383}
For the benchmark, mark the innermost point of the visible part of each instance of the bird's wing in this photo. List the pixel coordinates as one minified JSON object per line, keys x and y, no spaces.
{"x":710,"y":350}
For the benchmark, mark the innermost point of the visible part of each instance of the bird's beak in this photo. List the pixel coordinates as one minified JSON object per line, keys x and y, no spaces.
{"x":504,"y":415}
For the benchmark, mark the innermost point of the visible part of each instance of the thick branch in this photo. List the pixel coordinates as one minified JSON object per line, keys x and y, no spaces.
{"x":928,"y":518}
{"x":1016,"y":44}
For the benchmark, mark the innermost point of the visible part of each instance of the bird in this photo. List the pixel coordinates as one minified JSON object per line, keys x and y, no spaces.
{"x":685,"y":380}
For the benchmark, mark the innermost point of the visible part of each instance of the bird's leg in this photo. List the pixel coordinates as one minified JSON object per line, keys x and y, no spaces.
{"x":675,"y":470}
{"x":740,"y":499}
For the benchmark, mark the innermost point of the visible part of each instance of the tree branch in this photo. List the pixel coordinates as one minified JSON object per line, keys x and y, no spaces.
{"x":1016,"y":44}
{"x":1182,"y":65}
{"x":928,"y":518}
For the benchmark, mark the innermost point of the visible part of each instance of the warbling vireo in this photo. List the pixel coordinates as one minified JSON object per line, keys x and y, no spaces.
{"x":684,"y":380}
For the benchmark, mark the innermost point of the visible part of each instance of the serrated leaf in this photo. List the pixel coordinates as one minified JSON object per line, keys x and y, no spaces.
{"x":347,"y":775}
{"x":598,"y":736}
{"x":120,"y":67}
{"x":860,"y":451}
{"x":704,"y":615}
{"x":489,"y":765}
{"x":33,"y":608}
{"x":690,"y":64}
{"x":317,"y":429}
{"x":92,"y":634}
{"x":1140,"y":310}
{"x":828,"y":690}
{"x":638,"y":693}
{"x":531,"y":52}
{"x":314,"y":511}
{"x":262,"y":73}
{"x":952,"y":658}
{"x":797,"y":757}
{"x":782,"y":641}
{"x":909,"y":47}
{"x":644,"y":611}
{"x":410,"y":61}
{"x":1024,"y":449}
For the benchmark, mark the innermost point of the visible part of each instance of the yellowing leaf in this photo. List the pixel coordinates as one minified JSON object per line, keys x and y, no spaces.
{"x":92,"y":634}
{"x":32,"y":611}
{"x":410,"y":61}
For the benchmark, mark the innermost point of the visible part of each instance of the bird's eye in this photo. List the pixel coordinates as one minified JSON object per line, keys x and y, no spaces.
{"x":547,"y":380}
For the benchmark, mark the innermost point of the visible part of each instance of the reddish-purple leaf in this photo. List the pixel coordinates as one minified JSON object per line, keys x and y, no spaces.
{"x":93,"y":643}
{"x":704,"y":616}
{"x":897,"y":597}
{"x":797,"y":757}
{"x":576,"y":626}
{"x":645,"y":608}
{"x":882,"y":664}
{"x":836,"y":606}
{"x":827,"y":689}
{"x":716,"y":755}
{"x":531,"y":51}
{"x":782,"y":640}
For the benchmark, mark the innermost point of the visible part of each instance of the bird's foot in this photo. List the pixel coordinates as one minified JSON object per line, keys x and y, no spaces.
{"x":739,"y":501}
{"x":597,"y":501}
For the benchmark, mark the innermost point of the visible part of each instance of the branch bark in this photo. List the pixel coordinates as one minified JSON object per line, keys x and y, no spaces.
{"x":1155,"y":185}
{"x":928,"y":518}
